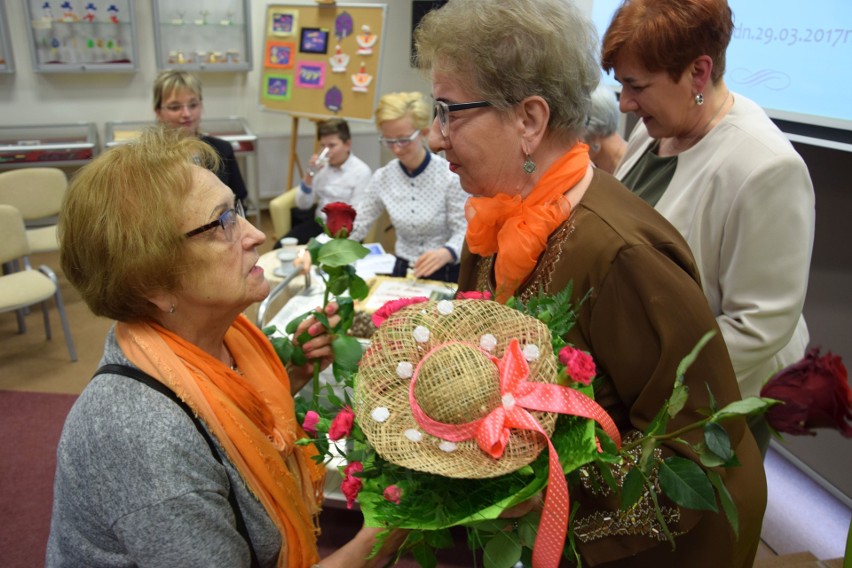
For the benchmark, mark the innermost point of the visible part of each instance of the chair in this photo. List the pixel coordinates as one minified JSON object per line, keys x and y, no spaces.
{"x":37,"y":193}
{"x":21,"y":289}
{"x":279,"y":211}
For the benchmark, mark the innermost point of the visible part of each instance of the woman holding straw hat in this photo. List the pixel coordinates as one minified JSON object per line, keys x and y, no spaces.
{"x":512,"y":81}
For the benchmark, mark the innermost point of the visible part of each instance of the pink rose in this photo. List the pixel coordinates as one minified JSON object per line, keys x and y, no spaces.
{"x":351,"y":485}
{"x":342,"y":424}
{"x":578,"y":364}
{"x":309,"y":425}
{"x":393,"y":494}
{"x":816,"y":394}
{"x":386,"y":311}
{"x":473,"y":295}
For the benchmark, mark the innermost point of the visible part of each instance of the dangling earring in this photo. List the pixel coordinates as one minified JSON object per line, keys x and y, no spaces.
{"x":172,"y":309}
{"x":699,"y":99}
{"x":529,"y":165}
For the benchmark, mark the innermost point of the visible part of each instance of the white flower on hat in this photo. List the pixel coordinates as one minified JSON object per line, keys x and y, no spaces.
{"x":404,"y":370}
{"x":447,"y":446}
{"x":488,"y":342}
{"x":531,"y":352}
{"x":413,"y":434}
{"x":421,"y":334}
{"x":380,"y":414}
{"x":445,"y":307}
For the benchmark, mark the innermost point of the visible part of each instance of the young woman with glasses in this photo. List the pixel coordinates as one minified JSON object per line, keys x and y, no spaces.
{"x":422,"y":196}
{"x":178,"y":104}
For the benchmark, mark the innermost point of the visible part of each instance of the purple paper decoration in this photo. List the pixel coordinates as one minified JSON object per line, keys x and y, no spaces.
{"x":343,"y":25}
{"x":333,"y":99}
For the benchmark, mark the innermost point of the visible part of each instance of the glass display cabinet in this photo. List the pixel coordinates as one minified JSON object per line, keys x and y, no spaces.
{"x":66,"y":38}
{"x":214,"y":35}
{"x":7,"y":63}
{"x":47,"y":145}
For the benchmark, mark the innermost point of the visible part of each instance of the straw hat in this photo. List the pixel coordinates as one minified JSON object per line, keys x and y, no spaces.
{"x":448,"y":348}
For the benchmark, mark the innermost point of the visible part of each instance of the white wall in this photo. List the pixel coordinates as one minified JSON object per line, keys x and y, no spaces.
{"x":27,"y":97}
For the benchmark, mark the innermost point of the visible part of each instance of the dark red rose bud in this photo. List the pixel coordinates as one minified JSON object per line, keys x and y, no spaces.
{"x":816,"y":394}
{"x":340,"y":217}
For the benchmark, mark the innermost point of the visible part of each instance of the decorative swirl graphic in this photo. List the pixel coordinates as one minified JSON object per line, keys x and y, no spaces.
{"x":766,"y":78}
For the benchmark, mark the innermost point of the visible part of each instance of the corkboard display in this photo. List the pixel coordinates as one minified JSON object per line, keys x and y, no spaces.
{"x":322,"y":60}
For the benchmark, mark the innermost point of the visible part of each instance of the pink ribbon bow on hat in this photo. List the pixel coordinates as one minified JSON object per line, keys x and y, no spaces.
{"x":519,"y":396}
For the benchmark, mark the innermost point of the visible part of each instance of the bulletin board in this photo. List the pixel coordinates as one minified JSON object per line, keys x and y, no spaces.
{"x":322,"y":60}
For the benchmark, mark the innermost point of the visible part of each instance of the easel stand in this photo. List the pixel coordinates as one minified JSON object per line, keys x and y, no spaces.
{"x":295,"y":162}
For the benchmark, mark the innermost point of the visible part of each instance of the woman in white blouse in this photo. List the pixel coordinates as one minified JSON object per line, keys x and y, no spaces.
{"x":423,"y":198}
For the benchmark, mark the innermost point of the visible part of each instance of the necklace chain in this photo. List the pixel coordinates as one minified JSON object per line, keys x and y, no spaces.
{"x":703,"y":131}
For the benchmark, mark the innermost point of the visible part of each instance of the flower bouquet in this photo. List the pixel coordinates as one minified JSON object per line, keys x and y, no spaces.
{"x":462,"y":412}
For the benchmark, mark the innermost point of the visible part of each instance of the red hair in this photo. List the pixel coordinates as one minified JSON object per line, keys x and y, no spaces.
{"x":668,"y":35}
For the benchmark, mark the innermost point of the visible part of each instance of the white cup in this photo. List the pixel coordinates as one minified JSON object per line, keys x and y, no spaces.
{"x":290,"y":244}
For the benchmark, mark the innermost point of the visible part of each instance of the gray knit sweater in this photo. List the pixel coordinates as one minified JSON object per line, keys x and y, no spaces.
{"x":137,"y":485}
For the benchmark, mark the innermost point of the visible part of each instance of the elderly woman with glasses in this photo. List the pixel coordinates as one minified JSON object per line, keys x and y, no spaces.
{"x":182,"y":450}
{"x":178,"y":104}
{"x":512,"y":80}
{"x":419,"y":191}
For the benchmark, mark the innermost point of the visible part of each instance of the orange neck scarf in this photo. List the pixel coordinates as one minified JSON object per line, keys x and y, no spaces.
{"x":517,"y":229}
{"x":252,"y":416}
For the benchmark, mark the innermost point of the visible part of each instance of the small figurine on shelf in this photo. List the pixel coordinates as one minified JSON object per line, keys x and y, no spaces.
{"x":203,"y":20}
{"x":113,"y":13}
{"x":68,"y":14}
{"x":229,"y":19}
{"x":47,"y":13}
{"x":90,"y":12}
{"x":179,"y":20}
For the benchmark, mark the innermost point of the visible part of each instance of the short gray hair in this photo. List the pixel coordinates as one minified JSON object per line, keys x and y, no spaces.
{"x":512,"y":49}
{"x":604,"y":114}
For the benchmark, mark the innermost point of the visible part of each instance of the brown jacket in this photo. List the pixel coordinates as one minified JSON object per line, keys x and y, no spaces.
{"x":644,"y":313}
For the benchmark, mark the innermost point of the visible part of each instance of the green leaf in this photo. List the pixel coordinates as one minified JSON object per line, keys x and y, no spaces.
{"x":684,"y":482}
{"x":337,"y":285}
{"x":727,"y":502}
{"x":358,"y":289}
{"x":717,"y":441}
{"x":706,"y":457}
{"x":747,"y":406}
{"x":678,"y":399}
{"x":347,"y":351}
{"x":631,"y":490}
{"x":439,"y":539}
{"x":294,"y":323}
{"x":659,"y":423}
{"x":340,"y":252}
{"x":502,"y":551}
{"x":693,"y":355}
{"x":424,"y":555}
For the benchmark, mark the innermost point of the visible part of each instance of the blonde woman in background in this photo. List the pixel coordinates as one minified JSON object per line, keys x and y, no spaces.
{"x":420,"y":192}
{"x":178,"y":104}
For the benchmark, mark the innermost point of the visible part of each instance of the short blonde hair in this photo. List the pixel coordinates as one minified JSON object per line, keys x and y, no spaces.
{"x":169,"y":81}
{"x":397,"y":105}
{"x":119,"y":228}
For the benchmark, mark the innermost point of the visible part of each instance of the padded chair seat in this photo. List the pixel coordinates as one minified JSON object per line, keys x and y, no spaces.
{"x":43,"y":239}
{"x":21,"y":289}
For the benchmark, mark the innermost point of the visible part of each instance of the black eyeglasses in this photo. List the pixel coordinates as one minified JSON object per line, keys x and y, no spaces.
{"x":443,"y":110}
{"x":227,"y":220}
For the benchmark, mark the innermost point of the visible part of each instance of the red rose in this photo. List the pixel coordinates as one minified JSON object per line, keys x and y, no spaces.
{"x":351,"y":485}
{"x":393,"y":494}
{"x":387,"y":310}
{"x":815,"y":392}
{"x":473,"y":295}
{"x":339,"y":217}
{"x":309,"y":425}
{"x":578,"y":364}
{"x":342,"y":424}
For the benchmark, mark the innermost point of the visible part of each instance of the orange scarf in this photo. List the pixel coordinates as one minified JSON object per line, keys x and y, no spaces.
{"x":517,"y":229}
{"x":252,"y":417}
